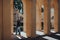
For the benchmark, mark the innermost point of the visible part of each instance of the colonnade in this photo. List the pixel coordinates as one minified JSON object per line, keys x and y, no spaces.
{"x":32,"y":17}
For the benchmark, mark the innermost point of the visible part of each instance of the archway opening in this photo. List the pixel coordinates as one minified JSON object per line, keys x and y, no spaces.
{"x":18,"y":18}
{"x":52,"y":20}
{"x":42,"y":22}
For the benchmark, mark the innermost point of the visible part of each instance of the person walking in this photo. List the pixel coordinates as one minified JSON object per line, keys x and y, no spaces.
{"x":18,"y":23}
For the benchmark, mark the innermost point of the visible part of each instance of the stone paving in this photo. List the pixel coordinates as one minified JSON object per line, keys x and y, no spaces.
{"x":41,"y":36}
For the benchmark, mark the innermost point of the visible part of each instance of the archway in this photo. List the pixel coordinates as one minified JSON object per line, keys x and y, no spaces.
{"x":8,"y":18}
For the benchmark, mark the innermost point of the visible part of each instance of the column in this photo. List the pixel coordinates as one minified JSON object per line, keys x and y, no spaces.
{"x":52,"y":3}
{"x":58,"y":4}
{"x":56,"y":16}
{"x":30,"y":17}
{"x":1,"y":12}
{"x":24,"y":15}
{"x":7,"y":19}
{"x":46,"y":16}
{"x":38,"y":15}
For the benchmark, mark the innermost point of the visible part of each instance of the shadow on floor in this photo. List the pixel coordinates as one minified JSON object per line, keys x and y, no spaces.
{"x":53,"y":35}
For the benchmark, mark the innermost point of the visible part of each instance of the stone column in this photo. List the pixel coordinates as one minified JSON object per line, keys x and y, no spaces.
{"x":52,"y":3}
{"x":7,"y":19}
{"x":56,"y":16}
{"x":46,"y":16}
{"x":24,"y":15}
{"x":38,"y":15}
{"x":1,"y":16}
{"x":30,"y":15}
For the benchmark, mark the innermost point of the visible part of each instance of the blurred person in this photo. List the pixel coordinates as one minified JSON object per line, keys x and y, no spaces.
{"x":18,"y":24}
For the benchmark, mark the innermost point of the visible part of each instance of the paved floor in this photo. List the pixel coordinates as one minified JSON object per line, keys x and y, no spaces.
{"x":41,"y":36}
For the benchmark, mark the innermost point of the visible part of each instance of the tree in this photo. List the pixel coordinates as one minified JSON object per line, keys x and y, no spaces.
{"x":18,"y":4}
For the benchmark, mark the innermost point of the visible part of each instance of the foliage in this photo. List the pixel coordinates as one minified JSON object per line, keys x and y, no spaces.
{"x":18,"y":4}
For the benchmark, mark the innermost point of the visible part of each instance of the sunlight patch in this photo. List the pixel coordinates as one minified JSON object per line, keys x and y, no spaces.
{"x":18,"y":37}
{"x":52,"y":30}
{"x":57,"y":34}
{"x":49,"y":38}
{"x":23,"y":34}
{"x":40,"y":33}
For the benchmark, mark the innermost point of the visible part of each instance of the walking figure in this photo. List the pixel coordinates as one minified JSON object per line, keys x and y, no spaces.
{"x":18,"y":24}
